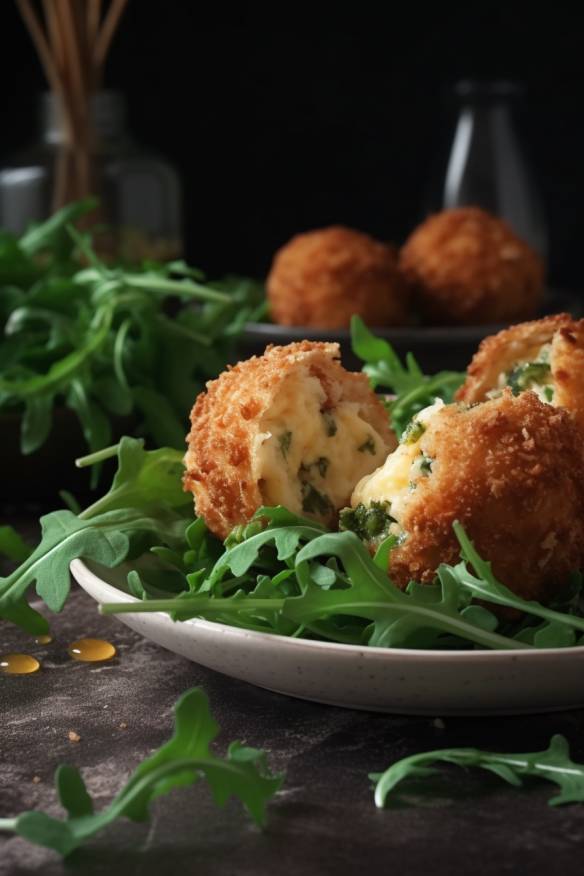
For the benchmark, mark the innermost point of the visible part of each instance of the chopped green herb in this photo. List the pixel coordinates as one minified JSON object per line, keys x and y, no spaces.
{"x":524,"y":376}
{"x":548,"y":392}
{"x":330,"y":424}
{"x":315,"y":502}
{"x":285,"y":440}
{"x":367,"y":521}
{"x":322,"y":464}
{"x":368,"y":446}
{"x":413,"y":432}
{"x":421,"y":467}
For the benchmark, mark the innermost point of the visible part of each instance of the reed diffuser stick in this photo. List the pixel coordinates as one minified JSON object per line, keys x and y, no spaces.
{"x":72,"y":39}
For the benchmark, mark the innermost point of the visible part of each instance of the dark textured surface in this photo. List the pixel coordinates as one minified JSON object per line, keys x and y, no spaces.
{"x":322,"y":822}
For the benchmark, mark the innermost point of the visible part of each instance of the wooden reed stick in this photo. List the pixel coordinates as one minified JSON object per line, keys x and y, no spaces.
{"x":93,"y":21}
{"x":54,"y":32}
{"x":108,"y":30}
{"x":40,"y":41}
{"x":72,"y":39}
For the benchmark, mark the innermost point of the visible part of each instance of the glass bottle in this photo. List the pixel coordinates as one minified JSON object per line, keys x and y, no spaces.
{"x":487,"y":166}
{"x":139,"y":192}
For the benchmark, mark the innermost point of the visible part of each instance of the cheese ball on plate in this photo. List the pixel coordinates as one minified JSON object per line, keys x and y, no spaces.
{"x":292,"y":428}
{"x":321,"y":278}
{"x":467,"y":267}
{"x":510,"y":470}
{"x":545,"y":356}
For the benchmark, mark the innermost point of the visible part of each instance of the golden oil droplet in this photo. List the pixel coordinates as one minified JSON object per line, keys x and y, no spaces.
{"x":91,"y":650}
{"x":43,"y":640}
{"x":18,"y":664}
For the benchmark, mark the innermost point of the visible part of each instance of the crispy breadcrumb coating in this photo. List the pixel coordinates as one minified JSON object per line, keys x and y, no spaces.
{"x":511,"y":470}
{"x":321,"y":278}
{"x":504,"y":354}
{"x":466,"y":266}
{"x":291,"y":427}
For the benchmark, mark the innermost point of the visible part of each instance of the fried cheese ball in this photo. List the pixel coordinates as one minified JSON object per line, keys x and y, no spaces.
{"x":545,"y":356}
{"x":466,"y":266}
{"x":321,"y":278}
{"x":292,"y":428}
{"x":510,"y":470}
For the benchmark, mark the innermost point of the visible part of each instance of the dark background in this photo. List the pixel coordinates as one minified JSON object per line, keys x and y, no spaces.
{"x":281,"y":125}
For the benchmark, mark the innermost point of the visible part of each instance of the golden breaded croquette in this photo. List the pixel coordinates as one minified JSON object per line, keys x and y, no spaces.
{"x":545,"y":356}
{"x":321,"y":278}
{"x":465,"y":266}
{"x":292,"y":428}
{"x":511,"y":470}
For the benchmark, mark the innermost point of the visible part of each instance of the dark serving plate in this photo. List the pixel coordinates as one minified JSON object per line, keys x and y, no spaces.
{"x":435,"y":347}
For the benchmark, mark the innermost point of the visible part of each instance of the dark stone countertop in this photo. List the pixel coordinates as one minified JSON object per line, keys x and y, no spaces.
{"x":323,"y":821}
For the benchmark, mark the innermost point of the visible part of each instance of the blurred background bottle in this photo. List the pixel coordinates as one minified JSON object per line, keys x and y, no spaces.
{"x":140,"y":210}
{"x":486,"y":165}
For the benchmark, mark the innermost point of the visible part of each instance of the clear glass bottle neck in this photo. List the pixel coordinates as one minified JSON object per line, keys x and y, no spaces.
{"x":495,"y":110}
{"x":107,"y":111}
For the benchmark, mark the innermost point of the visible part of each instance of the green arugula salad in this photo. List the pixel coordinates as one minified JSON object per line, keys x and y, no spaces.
{"x":280,"y":573}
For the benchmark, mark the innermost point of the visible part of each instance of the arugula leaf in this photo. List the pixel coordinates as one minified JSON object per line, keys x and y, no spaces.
{"x":160,"y":419}
{"x":16,"y":268}
{"x":182,"y":761}
{"x":241,"y":558}
{"x":488,"y":588}
{"x":413,"y":390}
{"x":104,"y":539}
{"x":12,"y":545}
{"x":36,"y":422}
{"x":415,"y":618}
{"x":554,"y":764}
{"x":144,"y":478}
{"x":99,"y":339}
{"x":19,"y":612}
{"x":52,"y":232}
{"x":145,"y":504}
{"x":64,"y":538}
{"x":389,"y":617}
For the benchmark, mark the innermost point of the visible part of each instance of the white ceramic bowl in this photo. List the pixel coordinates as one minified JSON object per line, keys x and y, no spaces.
{"x":395,"y":680}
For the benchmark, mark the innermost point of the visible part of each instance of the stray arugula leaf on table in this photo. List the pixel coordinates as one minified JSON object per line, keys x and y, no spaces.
{"x":413,"y":390}
{"x":182,"y":761}
{"x":554,"y":764}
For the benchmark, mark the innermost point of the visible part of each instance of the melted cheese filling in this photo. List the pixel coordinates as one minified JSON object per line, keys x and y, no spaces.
{"x":309,"y":458}
{"x":395,"y":481}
